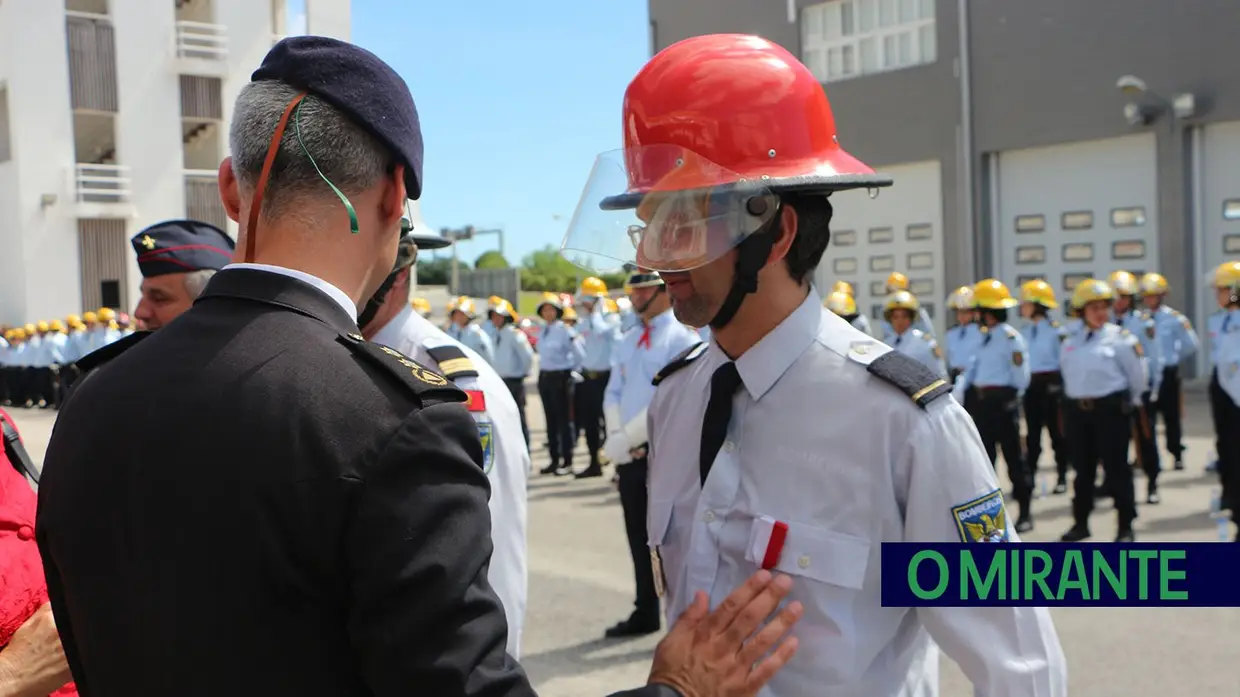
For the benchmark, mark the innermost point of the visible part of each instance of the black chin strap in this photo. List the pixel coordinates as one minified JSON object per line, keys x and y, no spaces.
{"x":751,"y":256}
{"x":642,"y":310}
{"x":376,"y":301}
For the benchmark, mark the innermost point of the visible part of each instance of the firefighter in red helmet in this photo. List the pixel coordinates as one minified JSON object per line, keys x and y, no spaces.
{"x":791,"y":441}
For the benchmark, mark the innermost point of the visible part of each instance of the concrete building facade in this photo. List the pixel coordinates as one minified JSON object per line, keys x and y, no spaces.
{"x":114,"y":115}
{"x":1014,"y":150}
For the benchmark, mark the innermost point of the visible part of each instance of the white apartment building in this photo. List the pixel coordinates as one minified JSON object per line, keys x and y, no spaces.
{"x":114,"y":115}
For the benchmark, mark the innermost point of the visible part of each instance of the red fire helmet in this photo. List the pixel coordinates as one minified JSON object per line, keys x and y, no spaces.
{"x":712,"y":111}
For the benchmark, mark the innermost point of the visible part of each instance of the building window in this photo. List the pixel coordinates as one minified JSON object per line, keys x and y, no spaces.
{"x":878,"y":288}
{"x":1022,"y":280}
{"x":845,"y":265}
{"x":1072,"y":280}
{"x":1128,"y":217}
{"x":842,"y":39}
{"x":1078,"y":252}
{"x":1231,"y":244}
{"x":1128,"y":249}
{"x":879,"y":235}
{"x":1231,"y":209}
{"x":1031,"y":255}
{"x":1030,"y":223}
{"x":921,"y":286}
{"x":921,"y":260}
{"x":844,"y":238}
{"x":929,"y":308}
{"x":885,"y":262}
{"x":1077,"y":220}
{"x":921,"y":231}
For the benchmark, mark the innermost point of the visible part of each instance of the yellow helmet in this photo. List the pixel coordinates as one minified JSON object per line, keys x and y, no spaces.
{"x":1154,"y":284}
{"x":72,"y":320}
{"x":901,"y":300}
{"x":43,"y":326}
{"x":1090,"y":290}
{"x":552,"y":299}
{"x":592,"y":286}
{"x":465,"y":305}
{"x":1227,"y":274}
{"x":841,"y":303}
{"x":1038,"y":292}
{"x":843,"y":287}
{"x":19,"y":333}
{"x":897,"y":281}
{"x":56,"y":325}
{"x":961,"y":299}
{"x":991,"y":294}
{"x":30,"y":329}
{"x":503,"y":308}
{"x":106,"y":314}
{"x":421,"y":306}
{"x":494,"y":300}
{"x":113,"y":325}
{"x":570,"y":314}
{"x":90,"y":317}
{"x":610,"y":305}
{"x":1122,"y":283}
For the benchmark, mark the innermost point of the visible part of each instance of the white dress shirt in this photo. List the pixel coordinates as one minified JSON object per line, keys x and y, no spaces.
{"x":508,"y":460}
{"x":847,"y":461}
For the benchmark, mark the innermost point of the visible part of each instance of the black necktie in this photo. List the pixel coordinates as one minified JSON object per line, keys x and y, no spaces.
{"x":723,"y":386}
{"x":1088,"y":337}
{"x":1035,"y":331}
{"x":898,"y":338}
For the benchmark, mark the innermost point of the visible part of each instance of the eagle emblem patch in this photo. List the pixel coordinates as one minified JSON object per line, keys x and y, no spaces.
{"x":486,"y":434}
{"x":983,"y":519}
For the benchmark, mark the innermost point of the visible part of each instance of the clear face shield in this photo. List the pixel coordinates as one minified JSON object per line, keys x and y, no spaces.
{"x":663,"y":208}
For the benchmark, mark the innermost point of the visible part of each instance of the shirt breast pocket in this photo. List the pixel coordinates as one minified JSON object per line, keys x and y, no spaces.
{"x":810,"y":552}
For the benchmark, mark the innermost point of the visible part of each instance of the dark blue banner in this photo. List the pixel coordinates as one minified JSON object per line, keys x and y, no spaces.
{"x":1196,"y":574}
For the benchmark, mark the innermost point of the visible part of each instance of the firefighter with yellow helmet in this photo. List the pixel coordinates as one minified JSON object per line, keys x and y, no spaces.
{"x":998,"y":376}
{"x":462,"y":327}
{"x":421,"y":306}
{"x":1225,"y":384}
{"x":1129,"y":315}
{"x":1103,"y":379}
{"x":897,"y":282}
{"x":964,"y":339}
{"x":1178,"y":342}
{"x":514,"y":357}
{"x":1043,"y":336}
{"x":899,"y":311}
{"x":843,"y":302}
{"x":559,"y":356}
{"x":600,"y":332}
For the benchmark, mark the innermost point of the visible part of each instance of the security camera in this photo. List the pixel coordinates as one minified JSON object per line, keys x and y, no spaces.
{"x":1131,"y":84}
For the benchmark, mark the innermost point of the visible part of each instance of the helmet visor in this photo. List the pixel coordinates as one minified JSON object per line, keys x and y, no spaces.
{"x":663,"y":208}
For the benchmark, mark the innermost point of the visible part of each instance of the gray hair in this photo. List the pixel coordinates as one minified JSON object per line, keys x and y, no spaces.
{"x":196,"y":281}
{"x":349,"y":156}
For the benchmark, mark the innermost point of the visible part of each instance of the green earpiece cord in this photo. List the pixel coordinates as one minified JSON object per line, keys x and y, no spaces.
{"x":353,"y":227}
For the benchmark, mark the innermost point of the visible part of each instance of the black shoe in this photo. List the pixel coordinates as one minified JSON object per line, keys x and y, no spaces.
{"x":549,"y":469}
{"x":1179,"y":465}
{"x":1024,"y":523}
{"x":1125,"y":535}
{"x":632,"y":627}
{"x":1061,"y":487}
{"x":1076,"y":534}
{"x":594,"y":470}
{"x":1152,"y":497}
{"x":564,"y":470}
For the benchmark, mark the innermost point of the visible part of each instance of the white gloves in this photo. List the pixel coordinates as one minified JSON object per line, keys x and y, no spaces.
{"x":617,"y":448}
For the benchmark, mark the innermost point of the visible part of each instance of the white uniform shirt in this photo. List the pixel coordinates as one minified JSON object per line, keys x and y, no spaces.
{"x":508,"y":460}
{"x":848,"y":461}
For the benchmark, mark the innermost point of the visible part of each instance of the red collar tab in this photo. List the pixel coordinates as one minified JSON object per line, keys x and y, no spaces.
{"x":477,"y":401}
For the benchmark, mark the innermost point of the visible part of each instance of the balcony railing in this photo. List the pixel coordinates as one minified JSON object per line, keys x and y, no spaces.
{"x":202,"y":198}
{"x":202,"y":41}
{"x":94,"y":183}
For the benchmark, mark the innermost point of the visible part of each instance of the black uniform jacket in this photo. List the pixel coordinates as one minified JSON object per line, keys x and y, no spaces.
{"x":255,"y":501}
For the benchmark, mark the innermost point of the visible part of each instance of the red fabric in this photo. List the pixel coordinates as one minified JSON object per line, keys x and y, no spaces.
{"x":644,"y":339}
{"x":23,"y":588}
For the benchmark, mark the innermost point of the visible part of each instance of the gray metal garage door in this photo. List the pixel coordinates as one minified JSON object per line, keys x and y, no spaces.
{"x":900,"y":230}
{"x":1071,"y":211}
{"x":1220,"y":209}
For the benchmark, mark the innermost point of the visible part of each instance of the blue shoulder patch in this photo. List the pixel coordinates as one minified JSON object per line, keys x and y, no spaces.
{"x":486,"y":434}
{"x":984,"y":519}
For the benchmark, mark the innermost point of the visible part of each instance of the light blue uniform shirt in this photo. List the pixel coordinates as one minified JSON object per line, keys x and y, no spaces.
{"x":1043,"y":337}
{"x":513,"y":353}
{"x":1142,"y":326}
{"x":599,"y":332}
{"x":1214,"y":327}
{"x":634,"y":366}
{"x":559,"y":348}
{"x":1102,"y":362}
{"x":488,"y":328}
{"x":1176,"y":337}
{"x":920,"y":347}
{"x":862,"y":323}
{"x":1227,"y":342}
{"x":39,"y":352}
{"x":58,"y":349}
{"x":922,"y":324}
{"x":628,"y":320}
{"x":963,"y":342}
{"x":472,"y":336}
{"x":1002,"y":360}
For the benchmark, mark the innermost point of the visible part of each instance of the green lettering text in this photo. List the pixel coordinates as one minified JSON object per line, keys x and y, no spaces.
{"x":970,"y":578}
{"x":1037,"y":576}
{"x":944,"y":576}
{"x":1166,"y":575}
{"x":1102,"y":567}
{"x":1143,"y":556}
{"x":1072,"y":575}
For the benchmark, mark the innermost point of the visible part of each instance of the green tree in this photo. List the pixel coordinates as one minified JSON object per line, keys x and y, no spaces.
{"x":437,"y":271}
{"x":491,"y":260}
{"x":546,"y":269}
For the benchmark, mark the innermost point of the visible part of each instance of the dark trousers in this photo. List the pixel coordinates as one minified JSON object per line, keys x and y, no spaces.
{"x":1145,"y":442}
{"x":634,"y":502}
{"x":1226,"y":417}
{"x":1098,"y":429}
{"x":1043,"y":410}
{"x":516,"y":386}
{"x":996,"y":412}
{"x":1170,"y":406}
{"x":589,"y":409}
{"x":555,"y":387}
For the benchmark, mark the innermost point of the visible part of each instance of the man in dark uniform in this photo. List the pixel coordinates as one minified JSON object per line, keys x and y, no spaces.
{"x":176,"y":258}
{"x":318,"y":525}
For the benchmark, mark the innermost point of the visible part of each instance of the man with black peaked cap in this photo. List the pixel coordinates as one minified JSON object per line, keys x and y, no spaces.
{"x":176,"y":258}
{"x":325,"y":531}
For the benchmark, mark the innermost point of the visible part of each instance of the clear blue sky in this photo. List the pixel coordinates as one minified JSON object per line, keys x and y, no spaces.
{"x":516,"y":100}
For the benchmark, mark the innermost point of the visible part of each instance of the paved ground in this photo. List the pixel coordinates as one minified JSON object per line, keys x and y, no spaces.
{"x":581,"y":582}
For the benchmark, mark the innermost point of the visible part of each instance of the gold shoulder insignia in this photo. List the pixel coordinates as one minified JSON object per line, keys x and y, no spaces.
{"x":452,"y":361}
{"x":424,"y":382}
{"x":686,"y":357}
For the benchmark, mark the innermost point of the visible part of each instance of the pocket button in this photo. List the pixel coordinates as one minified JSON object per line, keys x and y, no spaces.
{"x":803,"y":561}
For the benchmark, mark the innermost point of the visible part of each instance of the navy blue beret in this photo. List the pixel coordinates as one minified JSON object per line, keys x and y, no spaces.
{"x":358,"y":83}
{"x":180,"y":246}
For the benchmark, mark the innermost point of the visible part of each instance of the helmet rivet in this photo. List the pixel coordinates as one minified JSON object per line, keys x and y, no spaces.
{"x":766,"y":177}
{"x":770,"y":153}
{"x":756,"y":206}
{"x":680,"y":161}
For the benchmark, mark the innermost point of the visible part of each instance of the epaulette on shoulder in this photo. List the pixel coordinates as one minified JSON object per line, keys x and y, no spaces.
{"x":425,"y":383}
{"x":686,"y":357}
{"x":913,"y":378}
{"x":102,"y":355}
{"x":1055,"y":324}
{"x":452,"y":361}
{"x":1010,"y":331}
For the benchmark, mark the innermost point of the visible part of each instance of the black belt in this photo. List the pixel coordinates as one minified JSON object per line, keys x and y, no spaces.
{"x":1049,"y":376}
{"x":1115,"y":399}
{"x":594,"y":374}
